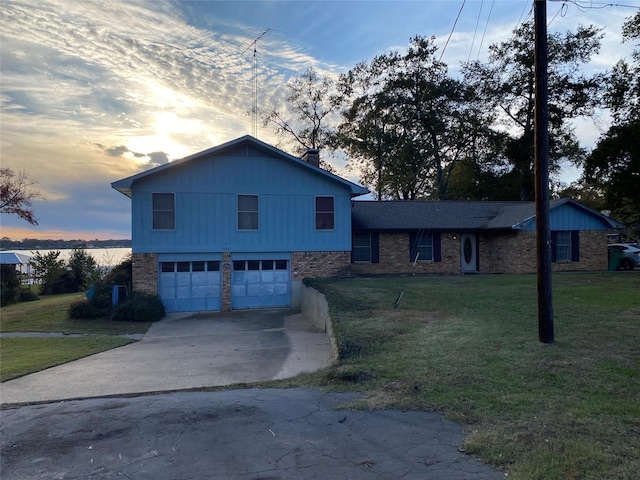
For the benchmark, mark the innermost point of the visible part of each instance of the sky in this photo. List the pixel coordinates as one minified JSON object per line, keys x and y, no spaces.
{"x":95,"y":91}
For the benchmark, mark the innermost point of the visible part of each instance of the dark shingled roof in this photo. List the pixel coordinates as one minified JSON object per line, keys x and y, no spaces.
{"x":448,"y":216}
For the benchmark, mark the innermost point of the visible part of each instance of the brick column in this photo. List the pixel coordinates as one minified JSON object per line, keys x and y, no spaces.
{"x":226,"y":281}
{"x":145,"y":273}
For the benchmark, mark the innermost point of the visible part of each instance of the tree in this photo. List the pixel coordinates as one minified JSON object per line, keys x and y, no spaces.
{"x":506,"y":83}
{"x":17,"y":194}
{"x":404,"y":122}
{"x":84,"y":268}
{"x":49,"y":269}
{"x":311,"y":103}
{"x":614,"y":165}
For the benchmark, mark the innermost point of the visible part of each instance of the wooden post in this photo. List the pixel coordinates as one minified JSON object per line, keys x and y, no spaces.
{"x":541,"y":152}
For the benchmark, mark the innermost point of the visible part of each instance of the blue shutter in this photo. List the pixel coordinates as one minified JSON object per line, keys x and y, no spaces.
{"x":554,"y":256}
{"x":575,"y":245}
{"x":437,"y":247}
{"x":375,"y":247}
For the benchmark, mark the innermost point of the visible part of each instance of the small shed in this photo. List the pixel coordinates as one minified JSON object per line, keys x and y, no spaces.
{"x":21,"y":261}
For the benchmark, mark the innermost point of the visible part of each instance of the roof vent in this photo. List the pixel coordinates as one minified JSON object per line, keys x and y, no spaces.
{"x":312,"y":156}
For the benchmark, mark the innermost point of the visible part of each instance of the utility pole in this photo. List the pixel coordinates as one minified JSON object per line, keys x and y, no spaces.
{"x":541,"y":152}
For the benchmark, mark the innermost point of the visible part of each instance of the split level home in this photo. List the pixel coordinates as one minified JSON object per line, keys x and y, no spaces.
{"x":242,"y":224}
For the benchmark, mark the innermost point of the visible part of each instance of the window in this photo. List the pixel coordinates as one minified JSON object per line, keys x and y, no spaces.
{"x":424,"y":248}
{"x":247,"y":212}
{"x":362,"y":247}
{"x":562,"y":243}
{"x":324,"y":213}
{"x":164,"y":213}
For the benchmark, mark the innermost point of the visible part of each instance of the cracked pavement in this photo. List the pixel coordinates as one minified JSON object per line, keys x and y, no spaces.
{"x":240,"y":434}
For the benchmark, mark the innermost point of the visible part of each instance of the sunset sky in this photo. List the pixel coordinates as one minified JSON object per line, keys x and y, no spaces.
{"x":92,"y":92}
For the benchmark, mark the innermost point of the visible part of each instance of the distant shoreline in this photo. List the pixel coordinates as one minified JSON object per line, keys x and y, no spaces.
{"x":48,"y":244}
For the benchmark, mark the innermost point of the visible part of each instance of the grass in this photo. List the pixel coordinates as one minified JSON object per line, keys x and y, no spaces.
{"x":468,"y":346}
{"x":21,"y":356}
{"x":49,"y":314}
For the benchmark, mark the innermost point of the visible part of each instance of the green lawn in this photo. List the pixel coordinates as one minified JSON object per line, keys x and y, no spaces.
{"x":468,"y":346}
{"x":20,"y":356}
{"x":49,"y":314}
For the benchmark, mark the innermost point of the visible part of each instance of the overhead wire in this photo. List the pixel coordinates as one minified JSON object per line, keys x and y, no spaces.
{"x":485,"y":29}
{"x":452,"y":29}
{"x":473,"y":41}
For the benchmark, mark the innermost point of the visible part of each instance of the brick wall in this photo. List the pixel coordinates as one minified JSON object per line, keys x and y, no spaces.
{"x":319,"y":264}
{"x":145,"y":273}
{"x":394,"y":257}
{"x":516,"y":253}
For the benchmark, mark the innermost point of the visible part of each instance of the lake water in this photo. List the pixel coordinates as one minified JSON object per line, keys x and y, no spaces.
{"x":105,"y":257}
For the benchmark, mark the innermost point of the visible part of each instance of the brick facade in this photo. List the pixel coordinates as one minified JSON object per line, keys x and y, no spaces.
{"x":226,"y":282}
{"x":394,"y":257}
{"x":516,"y":253}
{"x":145,"y":273}
{"x":504,"y":252}
{"x":319,"y":264}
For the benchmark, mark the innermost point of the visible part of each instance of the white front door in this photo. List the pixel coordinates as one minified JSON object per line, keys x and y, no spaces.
{"x":468,"y":253}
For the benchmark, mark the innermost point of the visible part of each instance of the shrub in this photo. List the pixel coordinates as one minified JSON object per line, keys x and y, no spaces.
{"x":83,"y":309}
{"x":10,"y":285}
{"x":140,"y":307}
{"x":26,"y":295}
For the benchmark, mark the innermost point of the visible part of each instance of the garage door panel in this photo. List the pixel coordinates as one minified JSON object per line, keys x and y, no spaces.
{"x":187,"y":286}
{"x":260,"y":283}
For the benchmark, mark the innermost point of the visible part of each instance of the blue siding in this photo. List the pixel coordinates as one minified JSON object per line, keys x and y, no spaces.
{"x":567,"y":217}
{"x":206,"y":206}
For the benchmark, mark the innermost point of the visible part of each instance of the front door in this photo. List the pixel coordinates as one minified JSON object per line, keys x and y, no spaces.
{"x":468,"y":253}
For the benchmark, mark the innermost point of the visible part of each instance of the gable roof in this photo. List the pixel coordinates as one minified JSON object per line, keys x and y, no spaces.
{"x":124,"y":185}
{"x":453,"y":215}
{"x":14,"y":258}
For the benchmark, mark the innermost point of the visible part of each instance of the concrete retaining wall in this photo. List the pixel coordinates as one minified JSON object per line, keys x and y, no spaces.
{"x":314,"y":306}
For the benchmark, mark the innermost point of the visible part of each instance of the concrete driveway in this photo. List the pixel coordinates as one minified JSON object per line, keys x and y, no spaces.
{"x":186,"y":351}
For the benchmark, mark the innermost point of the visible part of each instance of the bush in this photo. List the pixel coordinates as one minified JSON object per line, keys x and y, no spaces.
{"x":10,"y":285}
{"x":26,"y":295}
{"x":140,"y":307}
{"x":83,"y":309}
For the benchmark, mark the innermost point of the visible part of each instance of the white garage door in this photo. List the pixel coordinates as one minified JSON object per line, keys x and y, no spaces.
{"x":260,"y":284}
{"x":190,"y":286}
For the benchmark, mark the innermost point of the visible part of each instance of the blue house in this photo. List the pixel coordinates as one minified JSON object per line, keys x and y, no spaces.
{"x":240,"y":225}
{"x":237,"y":226}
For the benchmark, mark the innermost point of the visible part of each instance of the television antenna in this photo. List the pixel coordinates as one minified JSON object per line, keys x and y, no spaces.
{"x":254,"y":100}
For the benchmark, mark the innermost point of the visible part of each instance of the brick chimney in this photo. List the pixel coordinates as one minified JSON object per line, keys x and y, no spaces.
{"x":312,"y":156}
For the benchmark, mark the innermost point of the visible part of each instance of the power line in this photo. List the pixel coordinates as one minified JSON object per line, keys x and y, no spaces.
{"x":485,"y":29}
{"x":452,"y":29}
{"x":475,"y":32}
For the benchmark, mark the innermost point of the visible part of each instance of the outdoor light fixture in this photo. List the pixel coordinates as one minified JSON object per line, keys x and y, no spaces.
{"x":454,"y":237}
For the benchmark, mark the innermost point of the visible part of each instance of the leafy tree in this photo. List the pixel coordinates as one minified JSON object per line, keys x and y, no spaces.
{"x":507,"y":84}
{"x":17,"y":195}
{"x":368,"y":132}
{"x":311,"y":103}
{"x":49,"y":269}
{"x":84,"y":268}
{"x":614,"y":165}
{"x":405,"y":122}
